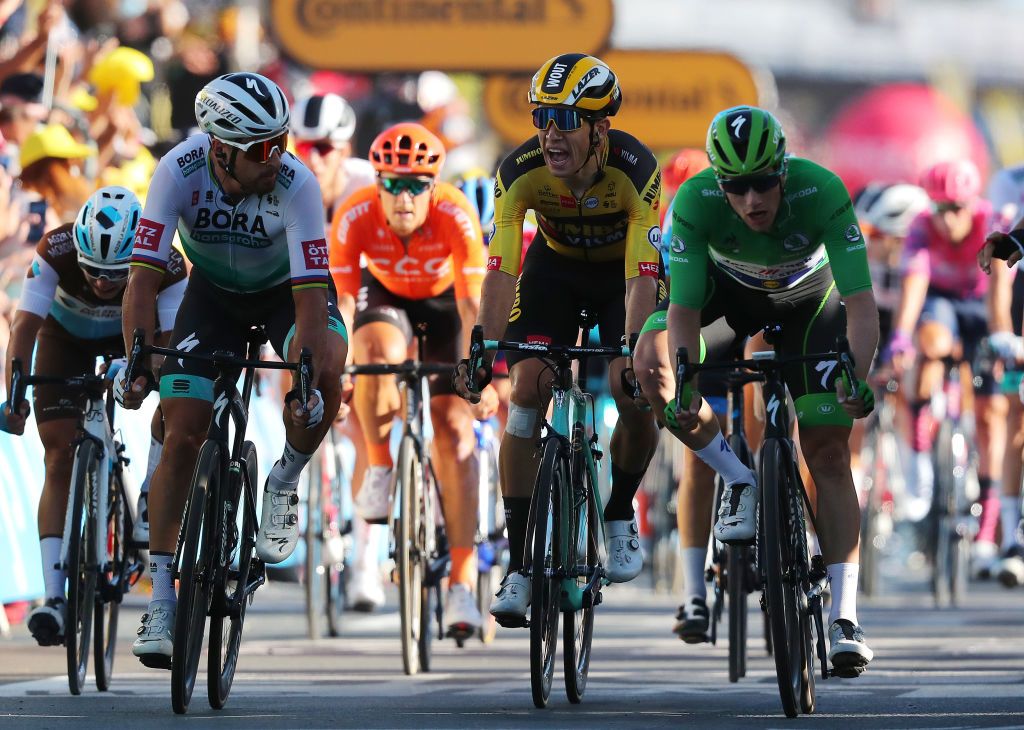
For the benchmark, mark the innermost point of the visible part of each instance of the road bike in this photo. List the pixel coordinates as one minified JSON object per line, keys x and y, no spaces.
{"x":101,"y":563}
{"x":215,"y":559}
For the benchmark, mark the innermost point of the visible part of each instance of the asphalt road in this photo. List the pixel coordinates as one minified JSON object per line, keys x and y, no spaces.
{"x":944,"y":669}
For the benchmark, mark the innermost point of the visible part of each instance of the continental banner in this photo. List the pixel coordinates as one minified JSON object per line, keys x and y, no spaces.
{"x":668,"y":97}
{"x":510,"y":36}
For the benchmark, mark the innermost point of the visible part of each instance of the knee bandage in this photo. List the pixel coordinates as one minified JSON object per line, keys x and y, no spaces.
{"x":521,"y":421}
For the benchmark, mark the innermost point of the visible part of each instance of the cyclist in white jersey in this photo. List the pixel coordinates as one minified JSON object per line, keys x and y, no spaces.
{"x":250,"y":218}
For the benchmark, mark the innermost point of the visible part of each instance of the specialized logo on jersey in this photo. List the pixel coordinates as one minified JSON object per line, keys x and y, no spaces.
{"x":315,"y":254}
{"x":148,"y":235}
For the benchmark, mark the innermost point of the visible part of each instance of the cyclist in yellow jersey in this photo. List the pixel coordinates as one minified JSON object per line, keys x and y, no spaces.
{"x":595,"y":192}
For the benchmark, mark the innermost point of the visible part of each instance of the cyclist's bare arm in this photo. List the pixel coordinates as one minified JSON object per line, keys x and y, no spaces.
{"x":862,"y":329}
{"x":641,"y":298}
{"x":310,"y":329}
{"x":24,"y":329}
{"x":138,"y":311}
{"x":499,"y":293}
{"x":914,"y":289}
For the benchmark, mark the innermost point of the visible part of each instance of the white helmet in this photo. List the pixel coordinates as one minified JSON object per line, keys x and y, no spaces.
{"x":889,"y":208}
{"x":242,"y":107}
{"x":105,"y":228}
{"x":323,"y":116}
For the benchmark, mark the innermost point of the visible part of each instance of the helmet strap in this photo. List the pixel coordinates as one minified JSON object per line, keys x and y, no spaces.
{"x":595,"y":140}
{"x":228,"y":163}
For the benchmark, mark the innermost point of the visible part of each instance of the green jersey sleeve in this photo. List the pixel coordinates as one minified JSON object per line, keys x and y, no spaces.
{"x":844,"y":242}
{"x":688,"y":247}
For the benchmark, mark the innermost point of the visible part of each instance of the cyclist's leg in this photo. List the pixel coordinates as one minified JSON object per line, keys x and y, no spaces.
{"x":140,"y":528}
{"x":936,"y":335}
{"x":382,"y":334}
{"x":1011,"y":566}
{"x":990,"y":409}
{"x":824,"y":440}
{"x":279,"y":529}
{"x":203,"y":325}
{"x":57,"y":411}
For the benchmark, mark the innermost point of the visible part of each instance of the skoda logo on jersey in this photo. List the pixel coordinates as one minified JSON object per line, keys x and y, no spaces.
{"x":591,"y":202}
{"x":852,"y":233}
{"x":677,"y":245}
{"x":796,"y":241}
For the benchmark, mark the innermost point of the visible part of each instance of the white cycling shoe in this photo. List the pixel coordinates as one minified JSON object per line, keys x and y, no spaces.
{"x":460,"y":612}
{"x":737,"y":515}
{"x":279,"y":525}
{"x":155,"y":644}
{"x":372,"y":501}
{"x":511,"y":600}
{"x":625,"y":559}
{"x":366,"y":589}
{"x":849,"y":654}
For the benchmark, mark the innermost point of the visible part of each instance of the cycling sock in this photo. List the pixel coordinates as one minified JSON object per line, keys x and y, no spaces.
{"x":54,"y":575}
{"x":843,"y":579}
{"x":721,"y":458}
{"x":366,"y":547}
{"x":463,"y":568}
{"x":1009,"y":514}
{"x":156,"y":449}
{"x":284,"y":477}
{"x":517,"y":513}
{"x":694,"y":559}
{"x":989,"y":499}
{"x":379,"y":453}
{"x":620,"y":502}
{"x":162,"y":575}
{"x":922,"y":426}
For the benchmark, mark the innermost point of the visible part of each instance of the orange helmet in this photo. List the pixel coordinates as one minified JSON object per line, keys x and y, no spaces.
{"x":407,"y":149}
{"x":683,"y":165}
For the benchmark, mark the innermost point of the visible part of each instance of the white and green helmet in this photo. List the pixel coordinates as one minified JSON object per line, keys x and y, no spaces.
{"x":745,"y":140}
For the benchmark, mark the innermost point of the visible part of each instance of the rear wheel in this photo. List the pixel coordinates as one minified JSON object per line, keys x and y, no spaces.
{"x":736,"y":576}
{"x":195,"y":568}
{"x":222,"y":659}
{"x":942,"y":521}
{"x":545,"y":587}
{"x":408,"y":552}
{"x":81,"y":577}
{"x":783,"y":611}
{"x":115,"y":576}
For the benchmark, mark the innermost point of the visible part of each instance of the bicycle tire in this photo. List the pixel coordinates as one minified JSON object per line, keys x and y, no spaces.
{"x":194,"y":566}
{"x":315,"y":572}
{"x":430,"y":536}
{"x":800,"y":568}
{"x":108,"y":606}
{"x":783,"y":614}
{"x":874,"y":475}
{"x":578,"y":626}
{"x":941,"y":517}
{"x":545,"y":590}
{"x":490,"y":575}
{"x":81,"y":577}
{"x":738,"y":585}
{"x":222,"y":657}
{"x":408,"y":558}
{"x":429,"y":614}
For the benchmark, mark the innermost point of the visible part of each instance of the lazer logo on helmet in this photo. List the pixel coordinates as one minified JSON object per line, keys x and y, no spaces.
{"x":582,"y":83}
{"x":223,"y":220}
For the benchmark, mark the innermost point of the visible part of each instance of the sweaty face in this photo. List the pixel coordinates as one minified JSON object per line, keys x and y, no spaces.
{"x":757,"y":209}
{"x":405,"y":209}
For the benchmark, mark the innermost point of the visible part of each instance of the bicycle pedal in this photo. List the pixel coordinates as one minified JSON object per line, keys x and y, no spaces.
{"x":512,"y":622}
{"x":460,"y":633}
{"x":846,"y":672}
{"x":155,"y":661}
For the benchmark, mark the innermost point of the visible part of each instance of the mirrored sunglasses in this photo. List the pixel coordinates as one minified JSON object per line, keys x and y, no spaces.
{"x":565,"y":120}
{"x":947,"y":207}
{"x":95,"y":272}
{"x":262,"y":150}
{"x":413,"y":185}
{"x":757,"y":183}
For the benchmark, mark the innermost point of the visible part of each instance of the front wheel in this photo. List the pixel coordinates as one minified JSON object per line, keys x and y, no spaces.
{"x":115,"y":574}
{"x":313,"y":578}
{"x":582,"y":565}
{"x":737,"y":560}
{"x":545,"y":585}
{"x":195,"y":568}
{"x":408,"y":549}
{"x":81,"y":575}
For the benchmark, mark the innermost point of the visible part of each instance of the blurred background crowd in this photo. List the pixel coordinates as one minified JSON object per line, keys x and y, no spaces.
{"x":93,"y":92}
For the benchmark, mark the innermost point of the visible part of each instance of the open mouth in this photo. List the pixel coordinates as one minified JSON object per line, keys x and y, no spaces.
{"x":557,"y":156}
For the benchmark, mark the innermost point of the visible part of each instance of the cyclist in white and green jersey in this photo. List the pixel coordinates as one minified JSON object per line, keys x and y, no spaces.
{"x":762,"y":238}
{"x":250,"y":219}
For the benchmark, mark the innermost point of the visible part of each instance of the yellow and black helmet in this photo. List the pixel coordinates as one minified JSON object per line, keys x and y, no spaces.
{"x":579,"y":81}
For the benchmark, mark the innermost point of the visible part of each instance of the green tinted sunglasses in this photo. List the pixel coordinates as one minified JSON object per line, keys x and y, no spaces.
{"x":413,"y":185}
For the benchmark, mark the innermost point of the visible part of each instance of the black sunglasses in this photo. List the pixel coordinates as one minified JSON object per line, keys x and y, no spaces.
{"x":947,"y":207}
{"x":758,"y":183}
{"x":95,"y":272}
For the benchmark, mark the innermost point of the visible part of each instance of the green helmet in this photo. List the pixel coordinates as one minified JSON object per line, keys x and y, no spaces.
{"x":745,"y":140}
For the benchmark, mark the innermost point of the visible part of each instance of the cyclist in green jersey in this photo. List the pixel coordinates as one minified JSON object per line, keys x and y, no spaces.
{"x":761,"y":238}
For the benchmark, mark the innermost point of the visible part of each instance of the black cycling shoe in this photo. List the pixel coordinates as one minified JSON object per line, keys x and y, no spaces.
{"x":46,"y":622}
{"x":692,"y":621}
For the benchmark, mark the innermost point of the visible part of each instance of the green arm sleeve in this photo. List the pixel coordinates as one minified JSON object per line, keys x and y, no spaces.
{"x":844,"y":242}
{"x":688,"y":249}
